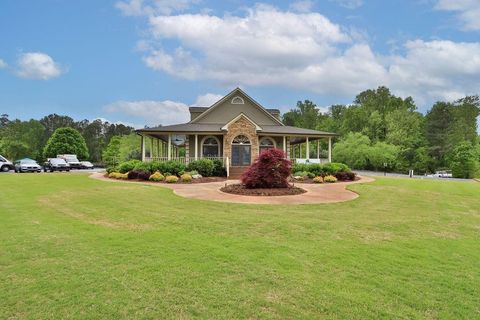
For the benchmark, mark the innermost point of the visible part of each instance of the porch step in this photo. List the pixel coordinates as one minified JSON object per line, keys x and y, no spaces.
{"x":236,"y":172}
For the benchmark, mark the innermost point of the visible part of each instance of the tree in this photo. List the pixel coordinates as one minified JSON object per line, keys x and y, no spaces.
{"x":353,"y":150}
{"x":130,"y":147}
{"x":381,"y":154}
{"x":437,"y":122}
{"x":270,"y":170}
{"x":304,"y":115}
{"x":464,"y":160}
{"x":66,"y":141}
{"x":111,"y":154}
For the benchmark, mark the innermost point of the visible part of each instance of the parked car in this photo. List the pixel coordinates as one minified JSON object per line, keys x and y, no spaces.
{"x":5,"y":165}
{"x":442,"y":174}
{"x":56,"y":164}
{"x":27,"y":165}
{"x":72,"y":160}
{"x":86,"y":165}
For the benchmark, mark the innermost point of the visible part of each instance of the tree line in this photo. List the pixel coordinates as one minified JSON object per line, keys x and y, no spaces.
{"x":380,"y":129}
{"x":19,"y":139}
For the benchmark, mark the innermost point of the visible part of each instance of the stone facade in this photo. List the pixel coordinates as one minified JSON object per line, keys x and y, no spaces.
{"x":241,"y":127}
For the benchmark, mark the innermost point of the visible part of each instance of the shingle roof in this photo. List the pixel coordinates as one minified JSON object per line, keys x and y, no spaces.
{"x":217,"y":127}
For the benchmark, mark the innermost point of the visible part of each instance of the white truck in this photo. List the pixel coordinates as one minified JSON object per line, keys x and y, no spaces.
{"x":5,"y":165}
{"x":72,"y":160}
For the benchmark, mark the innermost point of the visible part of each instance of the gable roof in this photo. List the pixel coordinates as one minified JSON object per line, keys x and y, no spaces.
{"x":230,"y":95}
{"x":241,"y":115}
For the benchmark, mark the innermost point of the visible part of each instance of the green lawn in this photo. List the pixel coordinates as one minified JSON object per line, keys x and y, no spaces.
{"x":74,"y":247}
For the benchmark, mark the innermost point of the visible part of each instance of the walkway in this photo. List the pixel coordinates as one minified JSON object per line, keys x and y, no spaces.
{"x":316,"y":193}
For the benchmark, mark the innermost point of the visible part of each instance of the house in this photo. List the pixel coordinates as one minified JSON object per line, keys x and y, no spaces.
{"x":234,"y":130}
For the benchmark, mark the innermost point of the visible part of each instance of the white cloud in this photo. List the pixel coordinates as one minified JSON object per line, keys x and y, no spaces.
{"x":306,"y":51}
{"x":468,"y":12}
{"x":153,"y":113}
{"x":349,"y":4}
{"x":151,"y":7}
{"x":207,"y":100}
{"x":302,"y":6}
{"x":37,"y":65}
{"x":3,"y":64}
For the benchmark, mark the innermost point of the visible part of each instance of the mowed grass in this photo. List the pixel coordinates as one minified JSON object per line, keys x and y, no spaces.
{"x":77,"y":248}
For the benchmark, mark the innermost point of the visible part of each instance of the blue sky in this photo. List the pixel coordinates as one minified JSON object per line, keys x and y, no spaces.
{"x":144,"y":62}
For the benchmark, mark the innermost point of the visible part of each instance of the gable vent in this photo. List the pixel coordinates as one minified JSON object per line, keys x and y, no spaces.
{"x":238,"y":100}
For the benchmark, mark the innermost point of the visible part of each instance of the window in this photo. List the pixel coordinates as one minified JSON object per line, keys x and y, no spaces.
{"x":211,"y":147}
{"x":238,"y":100}
{"x":266,"y":143}
{"x":241,"y":139}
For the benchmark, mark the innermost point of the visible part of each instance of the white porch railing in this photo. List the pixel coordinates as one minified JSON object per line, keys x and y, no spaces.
{"x":184,"y":160}
{"x":310,"y":161}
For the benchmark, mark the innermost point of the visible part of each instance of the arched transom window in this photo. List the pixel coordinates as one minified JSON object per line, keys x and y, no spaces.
{"x":211,"y":147}
{"x":238,"y":100}
{"x":266,"y":143}
{"x":241,"y":139}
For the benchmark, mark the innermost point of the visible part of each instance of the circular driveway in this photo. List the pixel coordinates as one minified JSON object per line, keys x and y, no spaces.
{"x":316,"y":193}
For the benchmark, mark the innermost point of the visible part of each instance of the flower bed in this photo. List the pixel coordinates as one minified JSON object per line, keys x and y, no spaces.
{"x":240,"y":189}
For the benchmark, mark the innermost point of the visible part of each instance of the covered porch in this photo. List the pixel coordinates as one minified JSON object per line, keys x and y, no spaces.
{"x":186,"y":147}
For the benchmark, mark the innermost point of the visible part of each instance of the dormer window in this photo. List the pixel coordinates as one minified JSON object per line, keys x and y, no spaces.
{"x":238,"y":100}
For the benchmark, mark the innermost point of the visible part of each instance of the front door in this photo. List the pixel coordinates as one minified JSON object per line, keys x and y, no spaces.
{"x":241,"y":155}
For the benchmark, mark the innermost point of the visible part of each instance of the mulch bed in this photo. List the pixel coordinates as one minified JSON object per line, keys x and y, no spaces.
{"x":265,"y":192}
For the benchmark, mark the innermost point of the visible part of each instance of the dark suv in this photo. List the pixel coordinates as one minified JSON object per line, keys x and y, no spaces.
{"x":56,"y":164}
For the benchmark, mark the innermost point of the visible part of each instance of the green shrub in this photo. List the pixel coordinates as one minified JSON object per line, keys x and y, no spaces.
{"x":330,"y":179}
{"x":171,"y":179}
{"x":157,"y":176}
{"x":143,"y":166}
{"x":218,"y":169}
{"x":174,"y":167}
{"x":318,"y":179}
{"x":203,"y":166}
{"x":333,"y":168}
{"x":127,"y":166}
{"x":112,"y":169}
{"x":310,"y":175}
{"x":186,"y":177}
{"x":166,"y":174}
{"x":302,"y":174}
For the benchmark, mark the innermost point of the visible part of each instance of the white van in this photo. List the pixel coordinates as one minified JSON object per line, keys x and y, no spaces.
{"x":72,"y":160}
{"x":5,"y":165}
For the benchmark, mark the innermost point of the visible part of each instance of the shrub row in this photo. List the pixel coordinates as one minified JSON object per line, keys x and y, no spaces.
{"x":321,"y":169}
{"x":205,"y":167}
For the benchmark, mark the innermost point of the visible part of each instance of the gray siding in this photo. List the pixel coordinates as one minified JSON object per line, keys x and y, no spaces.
{"x":227,"y":111}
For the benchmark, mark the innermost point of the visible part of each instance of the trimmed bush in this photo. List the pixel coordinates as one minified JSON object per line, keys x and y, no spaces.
{"x":321,"y":170}
{"x":203,"y":166}
{"x":270,"y":170}
{"x":318,"y":179}
{"x":136,"y":174}
{"x":157,"y":176}
{"x":345,"y":176}
{"x":186,"y":177}
{"x":171,"y":179}
{"x":330,"y":179}
{"x":127,"y":166}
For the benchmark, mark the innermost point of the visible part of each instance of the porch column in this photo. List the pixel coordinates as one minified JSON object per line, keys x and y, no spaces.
{"x":169,"y":155}
{"x":307,"y":150}
{"x":285,"y":145}
{"x":196,"y":147}
{"x":143,"y":147}
{"x":187,"y":149}
{"x":151,"y":147}
{"x":329,"y":149}
{"x":318,"y":149}
{"x":158,"y":147}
